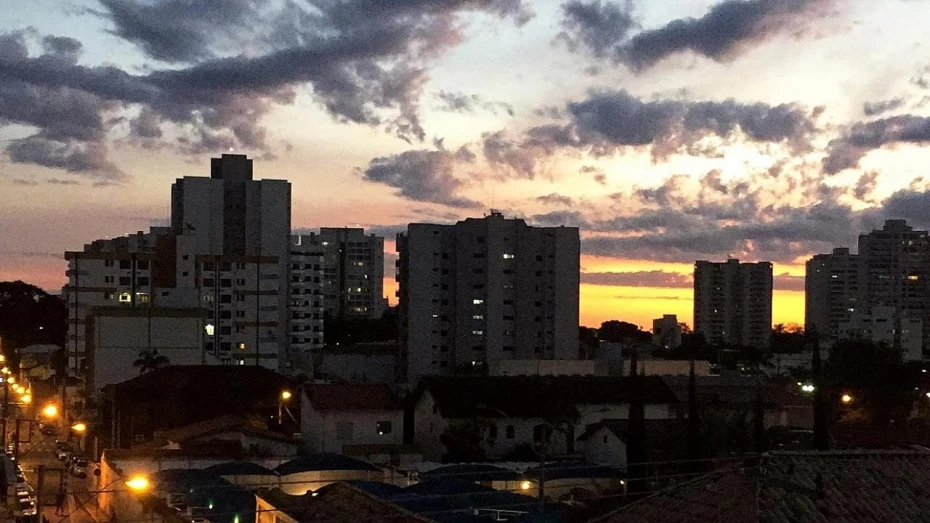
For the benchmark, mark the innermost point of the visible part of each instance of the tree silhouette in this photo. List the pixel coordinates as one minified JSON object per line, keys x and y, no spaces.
{"x":29,"y":315}
{"x":149,"y":360}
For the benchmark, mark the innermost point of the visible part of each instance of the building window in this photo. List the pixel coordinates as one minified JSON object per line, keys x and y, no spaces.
{"x":208,"y":282}
{"x":508,"y":256}
{"x":225,"y":330}
{"x":384,"y":428}
{"x":225,"y":315}
{"x":125,"y":280}
{"x":226,"y":298}
{"x":143,"y":280}
{"x":240,"y":345}
{"x":125,"y":297}
{"x":477,"y":302}
{"x":225,"y":282}
{"x":108,"y":263}
{"x":108,"y":295}
{"x":125,"y":264}
{"x":142,"y":265}
{"x":344,"y":431}
{"x":225,"y":346}
{"x":510,"y":432}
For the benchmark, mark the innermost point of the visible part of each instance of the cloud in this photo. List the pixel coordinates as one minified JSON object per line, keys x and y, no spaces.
{"x":726,"y":31}
{"x":609,"y":120}
{"x":365,"y":62}
{"x":664,"y":279}
{"x":882,"y":106}
{"x":559,"y":218}
{"x":787,"y":282}
{"x":596,"y":25}
{"x":555,"y":199}
{"x":422,"y":175}
{"x":648,"y":297}
{"x":464,"y":103}
{"x":859,"y":139}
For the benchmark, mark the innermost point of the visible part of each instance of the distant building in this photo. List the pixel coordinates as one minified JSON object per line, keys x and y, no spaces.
{"x":733,"y":302}
{"x":887,"y":326}
{"x":666,"y":331}
{"x":484,"y":290}
{"x":897,"y":265}
{"x":337,"y":416}
{"x":306,"y":308}
{"x":352,"y":279}
{"x":834,"y":289}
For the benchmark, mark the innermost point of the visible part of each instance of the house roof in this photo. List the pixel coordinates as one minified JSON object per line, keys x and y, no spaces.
{"x":665,"y":438}
{"x":221,"y":424}
{"x":322,"y":461}
{"x":240,"y":468}
{"x":352,"y":396}
{"x":563,"y":470}
{"x":452,"y":498}
{"x":472,"y":472}
{"x":534,"y":396}
{"x":841,"y":486}
{"x":203,"y":489}
{"x":340,"y":503}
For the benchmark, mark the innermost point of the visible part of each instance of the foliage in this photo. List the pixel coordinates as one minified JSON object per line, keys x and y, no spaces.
{"x":30,"y":316}
{"x":787,"y":339}
{"x":615,"y":331}
{"x":522,"y":452}
{"x":464,"y":442}
{"x":150,"y":360}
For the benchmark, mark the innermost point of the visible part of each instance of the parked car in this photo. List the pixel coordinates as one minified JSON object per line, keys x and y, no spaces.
{"x":64,"y":455}
{"x":79,"y":468}
{"x":49,"y":429}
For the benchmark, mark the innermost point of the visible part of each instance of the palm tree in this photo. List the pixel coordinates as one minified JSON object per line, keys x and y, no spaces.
{"x":150,"y":360}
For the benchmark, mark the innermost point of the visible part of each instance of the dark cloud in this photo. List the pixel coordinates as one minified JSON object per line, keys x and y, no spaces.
{"x":883,"y":106}
{"x":862,"y":137}
{"x":666,"y":279}
{"x":24,"y":182}
{"x":365,"y":62}
{"x":72,"y":157}
{"x":648,"y":297}
{"x":787,"y":282}
{"x":515,"y":158}
{"x":727,"y":30}
{"x":464,"y":103}
{"x":559,"y":218}
{"x":597,"y":25}
{"x":421,"y":175}
{"x":608,"y":120}
{"x":556,"y":199}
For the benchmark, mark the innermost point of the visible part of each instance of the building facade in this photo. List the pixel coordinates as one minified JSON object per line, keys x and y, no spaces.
{"x":484,"y":290}
{"x":887,"y":326}
{"x":733,"y":302}
{"x":834,"y":289}
{"x":666,"y":331}
{"x":897,"y":266}
{"x":307,"y":310}
{"x":353,"y":270}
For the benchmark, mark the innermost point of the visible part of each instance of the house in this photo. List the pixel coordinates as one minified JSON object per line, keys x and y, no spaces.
{"x":315,"y":471}
{"x":848,"y":486}
{"x":338,"y":415}
{"x":247,"y":474}
{"x":605,"y":442}
{"x":180,"y":395}
{"x":252,"y":436}
{"x":502,"y":413}
{"x":339,"y":503}
{"x":563,"y":481}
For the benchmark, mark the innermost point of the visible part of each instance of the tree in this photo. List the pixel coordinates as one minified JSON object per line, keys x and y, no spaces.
{"x":150,"y":360}
{"x":620,"y":331}
{"x":29,"y":316}
{"x":787,"y":339}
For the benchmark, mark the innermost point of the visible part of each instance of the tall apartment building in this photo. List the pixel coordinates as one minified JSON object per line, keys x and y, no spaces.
{"x":733,"y":302}
{"x":306,"y":309}
{"x":485,"y":290}
{"x":353,"y":270}
{"x":897,"y":265}
{"x":226,"y":255}
{"x":835,"y":290}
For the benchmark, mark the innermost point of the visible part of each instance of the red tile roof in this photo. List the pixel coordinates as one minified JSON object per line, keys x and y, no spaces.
{"x":352,"y":396}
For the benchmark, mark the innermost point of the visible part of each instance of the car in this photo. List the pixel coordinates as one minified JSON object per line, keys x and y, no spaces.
{"x":49,"y":430}
{"x":79,"y":468}
{"x":64,"y":455}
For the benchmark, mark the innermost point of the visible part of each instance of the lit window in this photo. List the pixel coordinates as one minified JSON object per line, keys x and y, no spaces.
{"x":478,"y":333}
{"x":125,"y":297}
{"x":478,"y":302}
{"x":508,"y":256}
{"x":142,"y":297}
{"x":913,"y":277}
{"x":384,"y":427}
{"x":241,"y":345}
{"x":477,"y":317}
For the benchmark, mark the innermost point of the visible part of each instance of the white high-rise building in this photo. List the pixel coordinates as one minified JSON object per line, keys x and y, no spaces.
{"x":733,"y":302}
{"x":485,"y":290}
{"x":353,"y":270}
{"x":225,"y":255}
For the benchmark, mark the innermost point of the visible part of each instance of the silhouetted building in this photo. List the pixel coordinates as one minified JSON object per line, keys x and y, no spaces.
{"x":834,"y":289}
{"x":484,"y":290}
{"x":897,"y":265}
{"x":666,"y":331}
{"x":733,"y":302}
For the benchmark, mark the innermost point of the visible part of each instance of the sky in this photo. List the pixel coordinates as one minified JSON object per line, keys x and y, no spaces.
{"x":666,"y":131}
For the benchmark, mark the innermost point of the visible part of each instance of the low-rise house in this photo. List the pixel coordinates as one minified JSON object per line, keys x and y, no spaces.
{"x":247,"y":474}
{"x":252,"y":435}
{"x":605,"y":441}
{"x":492,"y":416}
{"x":568,"y":480}
{"x":497,"y":478}
{"x":338,"y":415}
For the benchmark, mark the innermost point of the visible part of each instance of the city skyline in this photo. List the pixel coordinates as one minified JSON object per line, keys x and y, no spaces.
{"x":765,"y":130}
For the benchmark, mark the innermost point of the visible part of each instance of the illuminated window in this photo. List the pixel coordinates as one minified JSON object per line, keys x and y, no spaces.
{"x":478,"y":333}
{"x":241,"y":345}
{"x":477,"y":317}
{"x":508,"y":256}
{"x":478,"y":302}
{"x":125,"y":297}
{"x":913,"y":277}
{"x":142,"y":297}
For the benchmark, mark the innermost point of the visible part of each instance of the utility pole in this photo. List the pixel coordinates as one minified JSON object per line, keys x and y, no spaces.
{"x":542,"y":473}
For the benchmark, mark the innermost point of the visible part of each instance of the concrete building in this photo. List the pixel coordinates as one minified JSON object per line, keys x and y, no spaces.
{"x":834,"y":289}
{"x":306,"y":281}
{"x":897,"y":265}
{"x":483,"y":290}
{"x":885,"y":325}
{"x":733,"y":302}
{"x":666,"y":331}
{"x":353,"y":270}
{"x":337,"y":416}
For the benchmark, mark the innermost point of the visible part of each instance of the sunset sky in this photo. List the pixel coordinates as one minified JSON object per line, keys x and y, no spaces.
{"x":668,"y":131}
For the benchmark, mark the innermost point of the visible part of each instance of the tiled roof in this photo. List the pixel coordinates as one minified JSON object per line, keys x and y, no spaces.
{"x":723,"y":497}
{"x":240,"y":468}
{"x":340,"y":503}
{"x":322,"y":461}
{"x":229,"y":423}
{"x":352,"y":396}
{"x":534,"y":396}
{"x":799,"y":487}
{"x":472,"y":472}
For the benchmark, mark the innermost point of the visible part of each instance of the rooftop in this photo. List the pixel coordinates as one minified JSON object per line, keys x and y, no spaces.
{"x":323,"y":461}
{"x":340,"y":503}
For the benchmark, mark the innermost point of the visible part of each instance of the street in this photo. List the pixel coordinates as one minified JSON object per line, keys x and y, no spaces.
{"x":39,"y":450}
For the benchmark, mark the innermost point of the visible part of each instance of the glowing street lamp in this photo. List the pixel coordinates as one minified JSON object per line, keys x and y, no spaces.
{"x":286,"y":395}
{"x":79,"y":427}
{"x":50,"y":411}
{"x":27,"y":398}
{"x":139,"y":484}
{"x":846,"y":399}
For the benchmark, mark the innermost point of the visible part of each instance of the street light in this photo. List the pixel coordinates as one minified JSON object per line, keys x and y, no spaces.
{"x":50,"y":411}
{"x":846,"y":399}
{"x":139,"y":484}
{"x":79,"y":427}
{"x":286,"y":395}
{"x":27,"y":398}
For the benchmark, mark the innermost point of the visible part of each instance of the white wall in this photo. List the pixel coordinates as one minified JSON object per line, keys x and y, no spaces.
{"x":320,"y":428}
{"x":605,"y":448}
